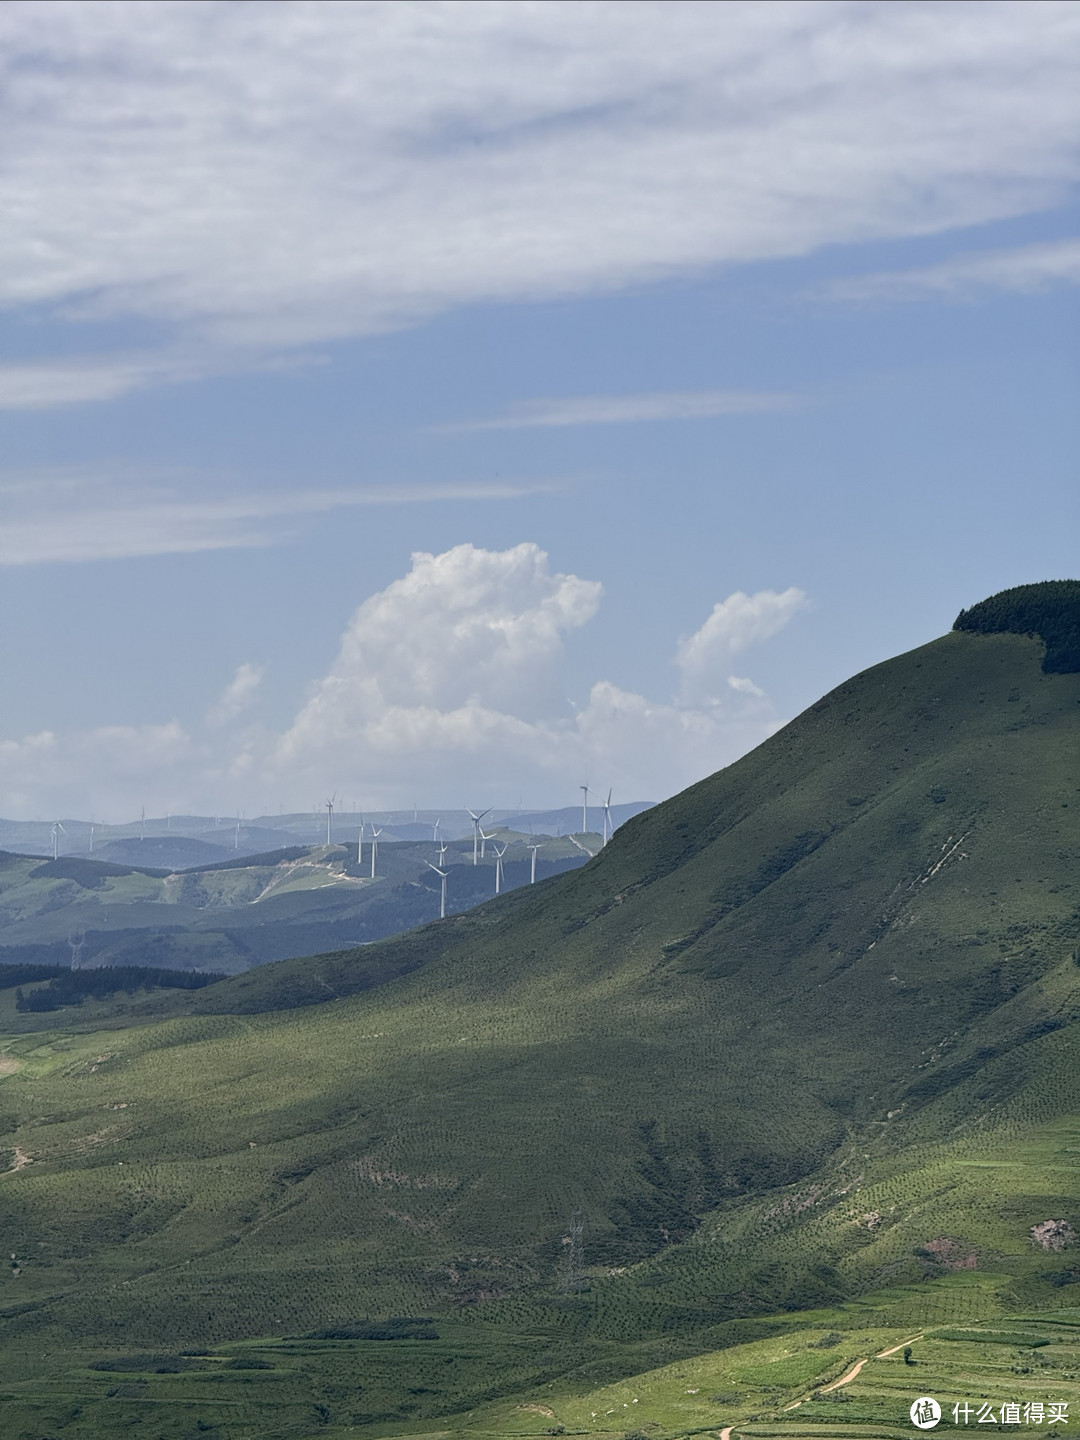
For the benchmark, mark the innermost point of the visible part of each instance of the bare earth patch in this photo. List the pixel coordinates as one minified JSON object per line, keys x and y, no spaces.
{"x":8,"y":1065}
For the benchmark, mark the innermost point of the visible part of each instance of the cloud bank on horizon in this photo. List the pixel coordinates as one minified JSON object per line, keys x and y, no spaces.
{"x":407,"y":159}
{"x":447,"y":685}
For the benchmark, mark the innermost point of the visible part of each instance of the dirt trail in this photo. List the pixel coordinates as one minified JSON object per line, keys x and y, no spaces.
{"x":882,"y":1353}
{"x":21,"y":1159}
{"x":725,"y":1434}
{"x":844,"y":1379}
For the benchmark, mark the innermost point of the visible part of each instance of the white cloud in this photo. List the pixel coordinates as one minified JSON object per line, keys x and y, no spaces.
{"x":112,"y":769}
{"x":237,"y":696}
{"x":446,"y":689}
{"x":270,"y":175}
{"x":629,"y":409}
{"x":70,"y":517}
{"x":465,"y":634}
{"x":447,"y":684}
{"x":744,"y":686}
{"x":89,"y":379}
{"x":735,"y":624}
{"x":1025,"y":269}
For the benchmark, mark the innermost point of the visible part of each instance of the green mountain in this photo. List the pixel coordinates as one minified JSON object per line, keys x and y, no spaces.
{"x":782,"y":1078}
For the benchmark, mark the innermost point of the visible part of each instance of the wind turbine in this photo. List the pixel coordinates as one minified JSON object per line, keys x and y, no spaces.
{"x":476,"y":833}
{"x":584,"y":808}
{"x":57,"y":831}
{"x":483,"y":842}
{"x":442,"y":852}
{"x":374,"y":847}
{"x":499,"y":867}
{"x":534,"y":849}
{"x":435,"y":832}
{"x":330,"y":817}
{"x":442,"y":902}
{"x":608,"y":830}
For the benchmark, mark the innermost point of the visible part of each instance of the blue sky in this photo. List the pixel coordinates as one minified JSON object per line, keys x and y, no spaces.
{"x":449,"y":403}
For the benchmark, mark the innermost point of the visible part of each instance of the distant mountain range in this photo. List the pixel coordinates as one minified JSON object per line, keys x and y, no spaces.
{"x":247,"y":910}
{"x":179,"y":842}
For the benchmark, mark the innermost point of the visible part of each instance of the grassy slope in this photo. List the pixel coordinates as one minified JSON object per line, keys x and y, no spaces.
{"x":825,"y":985}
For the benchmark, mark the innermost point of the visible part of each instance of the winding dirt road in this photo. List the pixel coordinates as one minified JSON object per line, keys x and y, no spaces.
{"x":844,"y":1379}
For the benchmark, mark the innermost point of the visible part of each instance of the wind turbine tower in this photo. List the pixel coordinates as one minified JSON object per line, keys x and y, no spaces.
{"x":374,"y":847}
{"x":57,"y":831}
{"x":330,"y":818}
{"x":532,"y":876}
{"x":499,"y":868}
{"x":442,"y":902}
{"x":608,"y":830}
{"x":584,"y":808}
{"x":360,"y":844}
{"x":435,"y":832}
{"x":476,"y":834}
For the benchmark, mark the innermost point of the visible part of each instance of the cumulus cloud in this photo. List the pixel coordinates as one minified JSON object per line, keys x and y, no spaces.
{"x":735,"y":624}
{"x":93,"y":772}
{"x":273,"y":175}
{"x":466,"y":633}
{"x":448,"y":680}
{"x":446,"y":688}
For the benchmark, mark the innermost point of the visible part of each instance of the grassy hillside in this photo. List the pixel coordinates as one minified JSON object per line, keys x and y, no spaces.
{"x":802,"y":1036}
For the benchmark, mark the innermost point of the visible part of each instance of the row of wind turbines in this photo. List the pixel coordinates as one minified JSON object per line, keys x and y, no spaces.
{"x":480,"y":840}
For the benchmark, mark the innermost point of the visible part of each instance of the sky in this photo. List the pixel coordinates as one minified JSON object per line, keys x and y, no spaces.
{"x":448,"y":404}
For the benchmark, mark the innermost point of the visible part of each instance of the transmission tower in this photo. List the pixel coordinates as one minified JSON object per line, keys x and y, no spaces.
{"x":574,"y":1261}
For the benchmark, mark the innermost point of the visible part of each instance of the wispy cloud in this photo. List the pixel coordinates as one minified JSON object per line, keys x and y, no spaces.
{"x":1026,"y":269}
{"x":237,"y":696}
{"x":87,"y":379}
{"x":259,"y":177}
{"x":69,"y":518}
{"x":631,"y":409}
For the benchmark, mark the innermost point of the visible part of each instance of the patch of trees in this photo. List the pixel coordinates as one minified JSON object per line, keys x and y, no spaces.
{"x":12,"y":975}
{"x":1050,"y":610}
{"x":72,"y":987}
{"x":90,"y":874}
